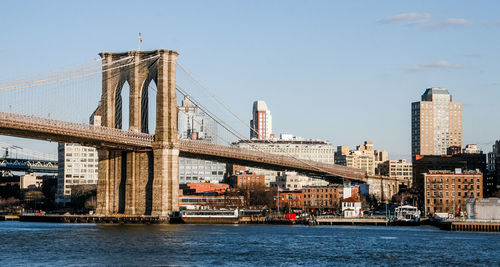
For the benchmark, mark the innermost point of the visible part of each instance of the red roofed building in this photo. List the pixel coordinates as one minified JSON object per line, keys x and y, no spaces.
{"x":351,"y":207}
{"x":198,"y":188}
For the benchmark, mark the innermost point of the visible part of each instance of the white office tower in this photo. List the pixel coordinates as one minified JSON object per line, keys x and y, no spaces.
{"x":262,"y":123}
{"x":77,"y":165}
{"x":195,"y":124}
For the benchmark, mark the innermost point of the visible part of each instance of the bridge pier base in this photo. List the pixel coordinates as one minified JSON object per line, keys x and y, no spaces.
{"x":108,"y":184}
{"x":125,"y":183}
{"x":138,"y":190}
{"x":165,"y":182}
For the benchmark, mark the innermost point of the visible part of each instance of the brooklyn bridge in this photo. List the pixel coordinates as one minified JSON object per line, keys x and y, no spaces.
{"x":138,"y":170}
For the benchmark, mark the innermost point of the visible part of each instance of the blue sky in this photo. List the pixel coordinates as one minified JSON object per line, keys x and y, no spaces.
{"x":344,"y":71}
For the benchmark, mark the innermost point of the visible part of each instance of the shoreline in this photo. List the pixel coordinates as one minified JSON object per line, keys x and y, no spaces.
{"x":469,"y":226}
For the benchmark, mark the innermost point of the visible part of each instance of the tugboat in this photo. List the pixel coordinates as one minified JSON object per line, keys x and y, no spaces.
{"x":407,"y":215}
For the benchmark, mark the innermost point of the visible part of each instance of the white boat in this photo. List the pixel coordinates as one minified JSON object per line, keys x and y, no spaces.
{"x":407,"y":215}
{"x":209,"y":216}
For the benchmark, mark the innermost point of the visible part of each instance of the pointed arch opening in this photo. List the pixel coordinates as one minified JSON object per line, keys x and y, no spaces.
{"x":148,"y":107}
{"x":122,"y":106}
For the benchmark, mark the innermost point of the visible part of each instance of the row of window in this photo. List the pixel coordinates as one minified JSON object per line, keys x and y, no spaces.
{"x":453,"y":186}
{"x":318,"y":196}
{"x":453,"y":180}
{"x":326,"y":190}
{"x":459,"y":193}
{"x":447,"y":201}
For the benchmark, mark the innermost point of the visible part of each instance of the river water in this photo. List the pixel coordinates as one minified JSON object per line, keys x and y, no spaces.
{"x":51,"y":244}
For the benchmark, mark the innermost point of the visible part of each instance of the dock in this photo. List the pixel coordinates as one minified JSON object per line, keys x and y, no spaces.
{"x":112,"y":219}
{"x":337,"y":220}
{"x":470,"y":225}
{"x":9,"y":217}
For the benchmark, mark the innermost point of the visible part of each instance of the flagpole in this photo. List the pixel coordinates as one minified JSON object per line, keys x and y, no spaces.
{"x":140,"y":41}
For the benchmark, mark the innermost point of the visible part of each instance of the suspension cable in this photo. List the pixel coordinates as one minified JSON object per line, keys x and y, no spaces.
{"x":52,"y":72}
{"x":252,"y":143}
{"x":6,"y":88}
{"x":59,"y":76}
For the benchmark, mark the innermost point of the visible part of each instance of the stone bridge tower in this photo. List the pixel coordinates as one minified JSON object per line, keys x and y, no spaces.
{"x":140,"y":182}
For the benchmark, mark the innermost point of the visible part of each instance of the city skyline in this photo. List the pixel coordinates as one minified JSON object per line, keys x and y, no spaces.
{"x":324,"y":74}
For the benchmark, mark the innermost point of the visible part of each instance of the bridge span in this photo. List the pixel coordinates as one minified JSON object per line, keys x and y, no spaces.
{"x":33,"y":127}
{"x":138,"y":171}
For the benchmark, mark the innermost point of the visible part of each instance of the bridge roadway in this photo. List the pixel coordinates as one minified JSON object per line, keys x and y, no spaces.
{"x":28,"y":126}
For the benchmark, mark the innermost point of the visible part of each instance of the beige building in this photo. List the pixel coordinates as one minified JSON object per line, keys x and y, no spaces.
{"x":436,"y":123}
{"x":399,"y":169}
{"x":293,"y":181}
{"x":288,"y":145}
{"x":29,"y":180}
{"x":364,"y":157}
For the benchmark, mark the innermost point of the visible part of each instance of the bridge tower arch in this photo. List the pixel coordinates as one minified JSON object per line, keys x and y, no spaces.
{"x":140,"y":182}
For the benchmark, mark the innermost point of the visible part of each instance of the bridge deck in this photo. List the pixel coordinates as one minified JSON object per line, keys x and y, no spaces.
{"x":108,"y":138}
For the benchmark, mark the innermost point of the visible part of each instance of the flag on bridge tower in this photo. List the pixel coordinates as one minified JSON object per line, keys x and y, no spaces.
{"x":140,"y":41}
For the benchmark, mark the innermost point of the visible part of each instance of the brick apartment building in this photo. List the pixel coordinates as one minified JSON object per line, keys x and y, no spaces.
{"x":447,"y":191}
{"x":241,"y":177}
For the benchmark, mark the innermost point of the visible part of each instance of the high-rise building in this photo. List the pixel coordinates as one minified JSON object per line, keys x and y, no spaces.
{"x":494,"y":164}
{"x":195,"y":124}
{"x":261,"y":125}
{"x":364,"y":157}
{"x":77,"y":165}
{"x":436,"y":123}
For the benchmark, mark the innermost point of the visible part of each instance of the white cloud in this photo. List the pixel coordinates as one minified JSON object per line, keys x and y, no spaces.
{"x":458,"y":21}
{"x":443,"y":64}
{"x":424,"y":20}
{"x":407,"y":17}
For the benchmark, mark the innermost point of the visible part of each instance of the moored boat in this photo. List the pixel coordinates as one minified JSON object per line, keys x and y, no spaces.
{"x":407,"y":215}
{"x":209,"y":216}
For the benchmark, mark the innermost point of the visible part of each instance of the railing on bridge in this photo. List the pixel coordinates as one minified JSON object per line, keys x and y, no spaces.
{"x":14,"y":121}
{"x":62,"y":131}
{"x":209,"y":149}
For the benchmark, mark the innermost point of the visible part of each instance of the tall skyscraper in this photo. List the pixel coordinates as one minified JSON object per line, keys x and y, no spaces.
{"x":436,"y":123}
{"x":195,"y":124}
{"x":261,"y":123}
